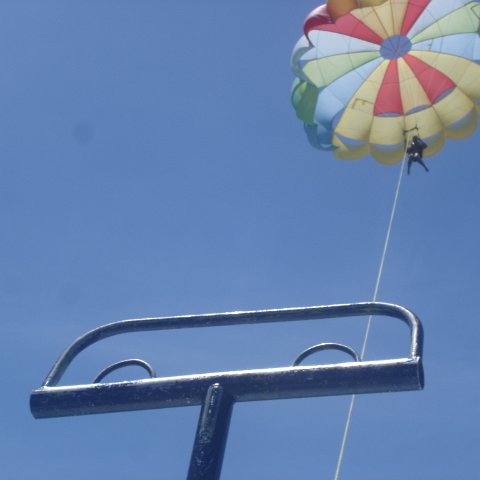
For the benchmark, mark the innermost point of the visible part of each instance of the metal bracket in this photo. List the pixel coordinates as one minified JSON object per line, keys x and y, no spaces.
{"x":217,"y":392}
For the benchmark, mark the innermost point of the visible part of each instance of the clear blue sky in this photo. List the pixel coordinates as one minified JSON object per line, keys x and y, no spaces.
{"x":152,"y":165}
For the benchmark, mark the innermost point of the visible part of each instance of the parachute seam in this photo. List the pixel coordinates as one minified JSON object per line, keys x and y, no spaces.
{"x":436,"y":20}
{"x":354,"y":97}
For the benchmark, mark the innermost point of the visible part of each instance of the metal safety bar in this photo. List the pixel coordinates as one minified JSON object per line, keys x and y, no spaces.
{"x":217,"y":392}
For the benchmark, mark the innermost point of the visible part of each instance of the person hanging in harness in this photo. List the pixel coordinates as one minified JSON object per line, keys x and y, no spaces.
{"x":415,"y":152}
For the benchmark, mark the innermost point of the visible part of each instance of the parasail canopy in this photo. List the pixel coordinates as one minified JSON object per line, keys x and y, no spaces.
{"x":373,"y":73}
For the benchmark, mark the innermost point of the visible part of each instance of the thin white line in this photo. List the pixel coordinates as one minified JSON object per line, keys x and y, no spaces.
{"x":369,"y":323}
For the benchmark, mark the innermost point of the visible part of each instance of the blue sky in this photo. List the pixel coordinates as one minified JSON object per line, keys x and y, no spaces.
{"x":152,"y":165}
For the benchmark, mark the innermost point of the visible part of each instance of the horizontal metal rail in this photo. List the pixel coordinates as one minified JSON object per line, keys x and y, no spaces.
{"x":244,"y":386}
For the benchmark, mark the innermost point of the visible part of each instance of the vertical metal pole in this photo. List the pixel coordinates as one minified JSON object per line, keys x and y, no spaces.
{"x":211,"y":437}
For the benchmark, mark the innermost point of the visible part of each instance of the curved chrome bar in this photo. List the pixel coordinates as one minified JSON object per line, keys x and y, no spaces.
{"x":125,"y":363}
{"x":238,"y":318}
{"x":326,"y":346}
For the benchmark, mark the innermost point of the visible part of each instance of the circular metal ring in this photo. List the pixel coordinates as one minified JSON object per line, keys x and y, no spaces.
{"x":125,"y":363}
{"x":326,"y":346}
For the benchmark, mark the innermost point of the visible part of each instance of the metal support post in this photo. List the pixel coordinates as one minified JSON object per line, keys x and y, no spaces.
{"x":211,"y":437}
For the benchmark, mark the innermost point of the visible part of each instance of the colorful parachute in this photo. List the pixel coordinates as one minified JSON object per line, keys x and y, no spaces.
{"x":376,"y":72}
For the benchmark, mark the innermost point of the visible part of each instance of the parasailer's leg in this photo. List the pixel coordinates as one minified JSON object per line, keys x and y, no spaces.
{"x":420,"y":161}
{"x":409,"y":166}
